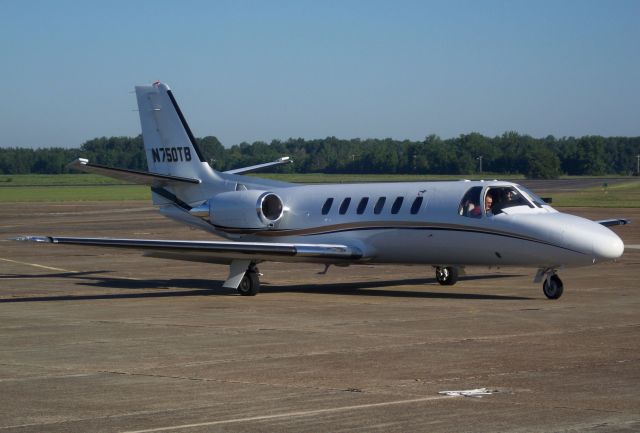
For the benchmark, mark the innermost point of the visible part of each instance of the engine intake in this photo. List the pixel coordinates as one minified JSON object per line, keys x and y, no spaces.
{"x":270,"y":207}
{"x":248,"y":209}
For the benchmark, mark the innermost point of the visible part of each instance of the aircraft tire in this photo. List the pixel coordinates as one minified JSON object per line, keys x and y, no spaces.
{"x":447,"y":276}
{"x":250,"y":284}
{"x":553,"y":287}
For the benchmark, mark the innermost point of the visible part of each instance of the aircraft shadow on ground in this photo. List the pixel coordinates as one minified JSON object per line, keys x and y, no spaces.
{"x":371,"y":288}
{"x":200,"y":287}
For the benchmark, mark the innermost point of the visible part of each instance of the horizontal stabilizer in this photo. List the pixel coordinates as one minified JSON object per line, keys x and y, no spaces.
{"x":134,"y":176}
{"x":216,"y":251}
{"x":279,"y":161}
{"x":614,"y":222}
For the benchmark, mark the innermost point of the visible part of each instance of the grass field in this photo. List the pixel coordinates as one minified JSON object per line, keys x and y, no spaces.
{"x":75,"y":193}
{"x":89,"y":187}
{"x":87,"y":179}
{"x":621,"y":195}
{"x":350,"y":178}
{"x":76,"y":179}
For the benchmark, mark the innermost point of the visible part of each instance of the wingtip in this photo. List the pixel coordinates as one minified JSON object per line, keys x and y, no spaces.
{"x":615,"y":222}
{"x":78,"y":162}
{"x":42,"y":239}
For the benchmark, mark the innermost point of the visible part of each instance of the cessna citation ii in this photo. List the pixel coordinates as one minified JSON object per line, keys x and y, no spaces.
{"x":447,"y":225}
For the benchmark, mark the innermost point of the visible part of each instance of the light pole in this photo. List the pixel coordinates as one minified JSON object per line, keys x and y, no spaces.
{"x":480,"y":161}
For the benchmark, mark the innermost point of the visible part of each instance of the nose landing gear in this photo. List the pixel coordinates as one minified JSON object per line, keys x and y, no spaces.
{"x":446,"y":275}
{"x":552,"y":286}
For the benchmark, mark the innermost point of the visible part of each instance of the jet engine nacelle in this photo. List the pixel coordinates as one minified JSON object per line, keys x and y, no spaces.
{"x":248,"y":209}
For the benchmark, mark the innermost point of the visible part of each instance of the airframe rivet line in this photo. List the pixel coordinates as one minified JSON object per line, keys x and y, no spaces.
{"x":51,"y":268}
{"x":293,"y":414}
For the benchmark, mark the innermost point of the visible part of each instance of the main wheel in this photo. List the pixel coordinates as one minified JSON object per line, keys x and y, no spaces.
{"x":250,"y":284}
{"x":447,"y":276}
{"x":552,"y":287}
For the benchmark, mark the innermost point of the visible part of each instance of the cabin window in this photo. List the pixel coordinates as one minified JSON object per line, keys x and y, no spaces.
{"x":379,"y":205}
{"x":345,"y":205}
{"x":397,"y":204}
{"x":415,"y":206}
{"x":327,"y":206}
{"x":362,"y":205}
{"x":470,"y":203}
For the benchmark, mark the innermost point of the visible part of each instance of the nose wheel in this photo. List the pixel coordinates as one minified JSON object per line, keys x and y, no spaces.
{"x":553,"y":287}
{"x":446,"y":275}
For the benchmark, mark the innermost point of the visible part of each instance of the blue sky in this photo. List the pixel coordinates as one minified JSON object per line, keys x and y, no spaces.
{"x":259,"y":70}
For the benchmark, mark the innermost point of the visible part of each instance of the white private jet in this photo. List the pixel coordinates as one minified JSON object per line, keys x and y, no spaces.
{"x":444,"y":224}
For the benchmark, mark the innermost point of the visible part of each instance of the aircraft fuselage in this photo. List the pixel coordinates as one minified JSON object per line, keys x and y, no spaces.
{"x":401,"y":230}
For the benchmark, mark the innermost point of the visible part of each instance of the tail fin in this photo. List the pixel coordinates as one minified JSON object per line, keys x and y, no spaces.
{"x":170,"y":146}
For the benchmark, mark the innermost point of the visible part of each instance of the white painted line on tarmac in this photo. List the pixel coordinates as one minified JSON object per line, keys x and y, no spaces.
{"x":51,"y":268}
{"x":293,"y":414}
{"x":633,"y":246}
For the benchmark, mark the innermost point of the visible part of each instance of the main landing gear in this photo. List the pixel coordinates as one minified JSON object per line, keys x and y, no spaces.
{"x":447,"y":275}
{"x":244,"y":277}
{"x":250,"y":283}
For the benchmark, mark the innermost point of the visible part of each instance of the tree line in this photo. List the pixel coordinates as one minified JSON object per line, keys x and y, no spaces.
{"x":509,"y":153}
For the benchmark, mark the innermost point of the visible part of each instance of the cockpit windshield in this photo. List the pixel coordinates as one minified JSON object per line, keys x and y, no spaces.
{"x":533,"y":196}
{"x":494,"y":201}
{"x":505,"y":197}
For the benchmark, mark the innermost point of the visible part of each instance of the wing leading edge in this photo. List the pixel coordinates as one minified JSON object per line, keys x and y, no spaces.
{"x":135,"y":176}
{"x":217,"y":251}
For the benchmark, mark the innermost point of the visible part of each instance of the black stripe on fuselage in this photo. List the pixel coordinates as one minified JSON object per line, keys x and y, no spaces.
{"x":318,"y":231}
{"x":484,"y":232}
{"x":185,"y":125}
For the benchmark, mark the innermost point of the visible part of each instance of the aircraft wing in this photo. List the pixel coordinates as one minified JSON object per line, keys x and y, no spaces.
{"x":134,"y":176}
{"x":614,"y":222}
{"x":217,"y":251}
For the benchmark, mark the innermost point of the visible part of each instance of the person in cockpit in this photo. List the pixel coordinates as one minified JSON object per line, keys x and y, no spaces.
{"x":488,"y":203}
{"x":476,"y":212}
{"x":467,"y":208}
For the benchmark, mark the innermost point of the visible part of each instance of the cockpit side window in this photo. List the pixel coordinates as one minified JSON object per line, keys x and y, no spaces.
{"x":470,"y":203}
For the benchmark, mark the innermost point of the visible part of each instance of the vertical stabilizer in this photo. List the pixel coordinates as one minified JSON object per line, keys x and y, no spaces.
{"x":170,"y":146}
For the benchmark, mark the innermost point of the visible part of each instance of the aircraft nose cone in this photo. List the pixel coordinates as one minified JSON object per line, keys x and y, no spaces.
{"x":607,"y":246}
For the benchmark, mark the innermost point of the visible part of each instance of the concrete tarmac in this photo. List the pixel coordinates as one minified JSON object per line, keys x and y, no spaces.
{"x":109,"y":341}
